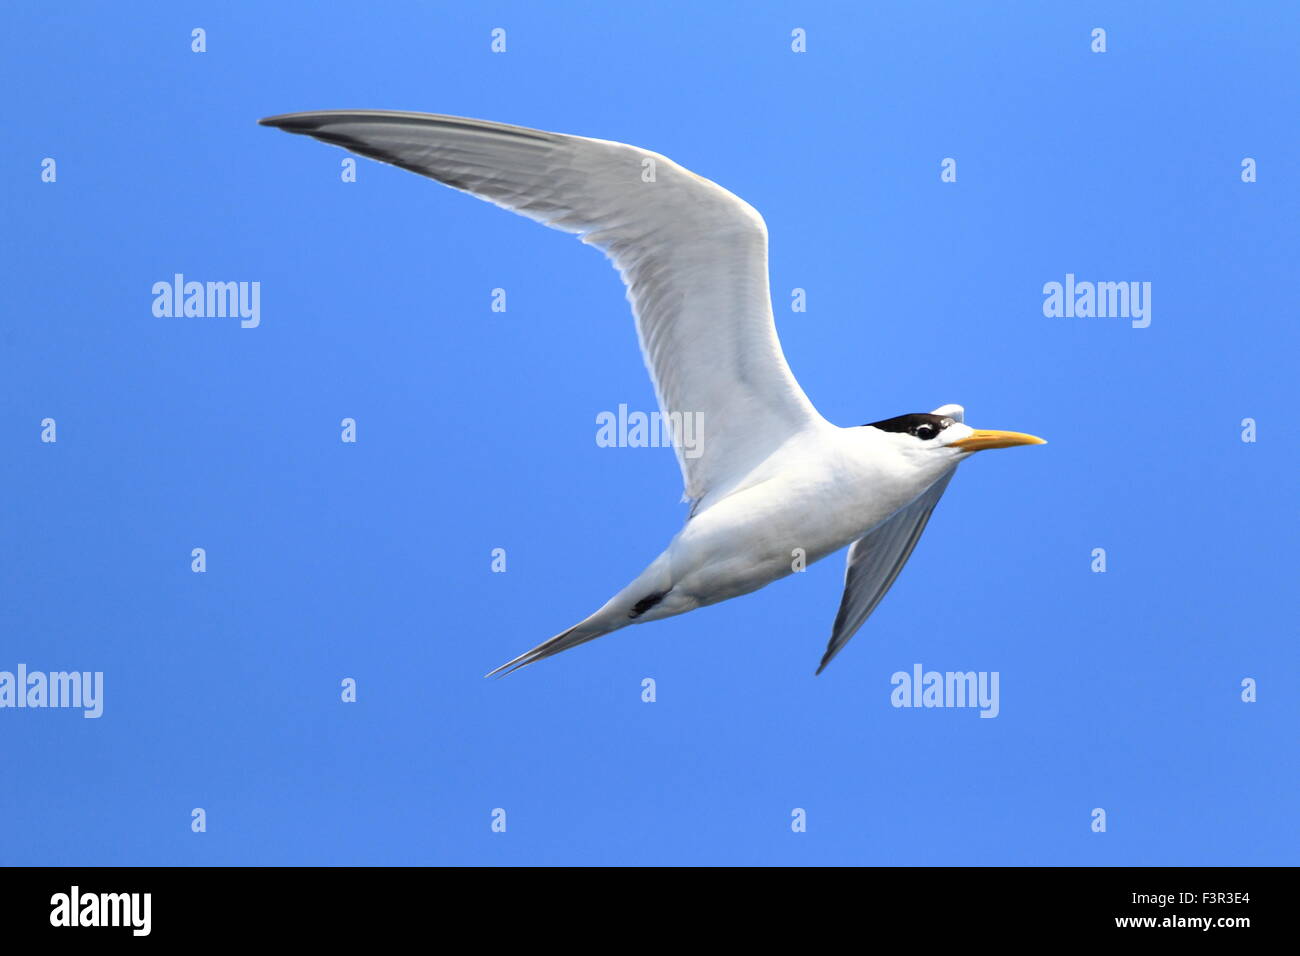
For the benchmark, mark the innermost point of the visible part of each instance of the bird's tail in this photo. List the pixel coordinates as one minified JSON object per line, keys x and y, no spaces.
{"x":578,"y":634}
{"x":628,"y":606}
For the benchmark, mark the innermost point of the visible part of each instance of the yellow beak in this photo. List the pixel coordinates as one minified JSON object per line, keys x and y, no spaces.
{"x":982,"y":439}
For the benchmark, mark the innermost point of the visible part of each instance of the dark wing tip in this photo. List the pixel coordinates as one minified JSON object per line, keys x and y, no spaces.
{"x":292,"y":122}
{"x":832,"y":647}
{"x":311,"y":121}
{"x":314,"y":119}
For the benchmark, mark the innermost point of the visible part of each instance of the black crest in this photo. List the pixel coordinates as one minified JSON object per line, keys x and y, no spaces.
{"x":924,"y":426}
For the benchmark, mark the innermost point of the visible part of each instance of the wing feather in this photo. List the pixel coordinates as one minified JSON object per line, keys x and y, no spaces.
{"x":875,"y":561}
{"x":693,"y":257}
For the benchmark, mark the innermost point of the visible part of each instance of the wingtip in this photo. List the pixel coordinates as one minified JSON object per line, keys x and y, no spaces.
{"x":291,"y":122}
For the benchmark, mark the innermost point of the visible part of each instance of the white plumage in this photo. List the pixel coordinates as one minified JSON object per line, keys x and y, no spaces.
{"x":773,"y":479}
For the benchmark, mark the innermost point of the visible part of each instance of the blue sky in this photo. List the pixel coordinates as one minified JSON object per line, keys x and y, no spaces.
{"x":1119,"y":690}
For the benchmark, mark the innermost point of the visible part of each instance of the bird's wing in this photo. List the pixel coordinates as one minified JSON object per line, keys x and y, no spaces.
{"x":693,"y":257}
{"x":874,"y":562}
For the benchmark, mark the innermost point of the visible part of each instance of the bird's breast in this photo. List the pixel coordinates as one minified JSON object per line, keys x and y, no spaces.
{"x":781,"y":524}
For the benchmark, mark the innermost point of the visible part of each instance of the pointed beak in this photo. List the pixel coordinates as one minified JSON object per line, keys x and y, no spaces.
{"x":992,"y":438}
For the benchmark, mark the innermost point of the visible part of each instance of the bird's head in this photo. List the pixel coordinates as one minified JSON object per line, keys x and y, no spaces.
{"x":942,"y":435}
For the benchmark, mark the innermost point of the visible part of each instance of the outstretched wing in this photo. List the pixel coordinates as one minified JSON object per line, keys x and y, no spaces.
{"x":874,"y":562}
{"x":693,"y":257}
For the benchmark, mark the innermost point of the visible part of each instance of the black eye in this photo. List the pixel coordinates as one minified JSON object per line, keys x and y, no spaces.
{"x":918,"y":425}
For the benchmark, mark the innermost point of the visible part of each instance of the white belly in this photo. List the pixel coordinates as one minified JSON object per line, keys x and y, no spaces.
{"x":809,"y":506}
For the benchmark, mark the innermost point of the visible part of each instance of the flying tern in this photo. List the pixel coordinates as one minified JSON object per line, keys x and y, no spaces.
{"x":771,"y":482}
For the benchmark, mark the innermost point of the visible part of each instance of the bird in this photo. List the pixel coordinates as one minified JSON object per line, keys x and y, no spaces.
{"x":770,"y":482}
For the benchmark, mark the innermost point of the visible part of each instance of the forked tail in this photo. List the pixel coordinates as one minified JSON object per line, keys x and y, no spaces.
{"x":627,"y":607}
{"x":578,"y":634}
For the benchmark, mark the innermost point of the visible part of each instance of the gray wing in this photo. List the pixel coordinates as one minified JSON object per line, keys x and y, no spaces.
{"x":693,"y":257}
{"x":874,"y":562}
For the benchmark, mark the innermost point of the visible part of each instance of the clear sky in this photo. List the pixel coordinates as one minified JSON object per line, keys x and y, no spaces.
{"x":476,"y":430}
